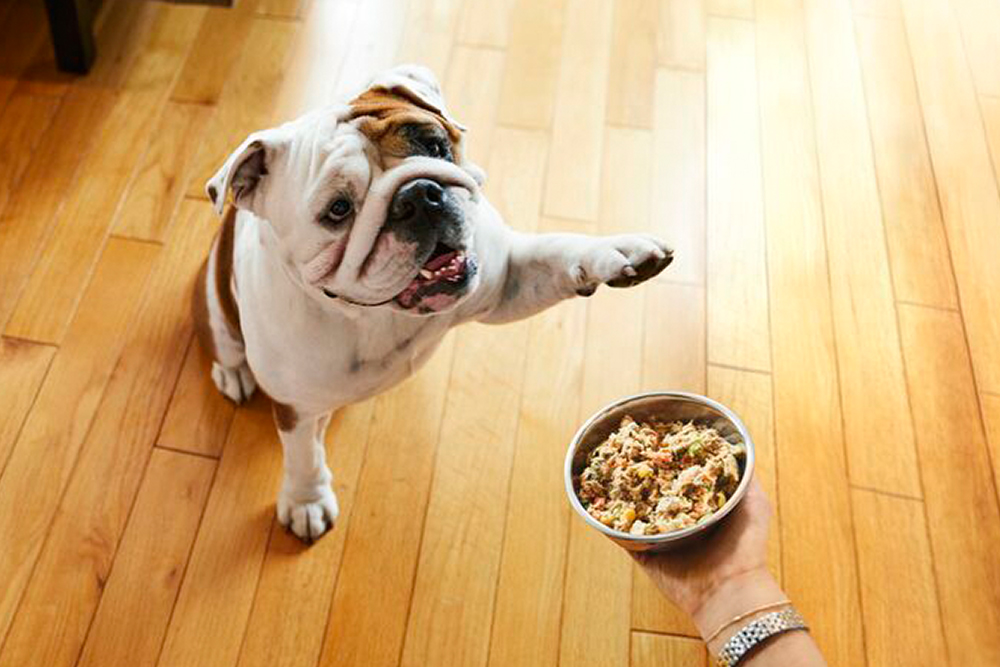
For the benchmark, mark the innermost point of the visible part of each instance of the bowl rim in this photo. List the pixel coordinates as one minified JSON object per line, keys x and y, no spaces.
{"x":677,"y":535}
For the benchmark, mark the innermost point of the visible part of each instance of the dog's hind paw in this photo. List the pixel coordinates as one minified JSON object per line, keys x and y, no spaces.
{"x":309,"y":518}
{"x":236,"y":384}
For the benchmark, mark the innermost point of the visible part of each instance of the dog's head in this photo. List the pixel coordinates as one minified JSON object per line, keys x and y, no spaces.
{"x":372,"y":203}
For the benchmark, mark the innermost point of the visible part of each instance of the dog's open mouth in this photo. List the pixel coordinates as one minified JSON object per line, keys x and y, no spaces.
{"x":446,"y":271}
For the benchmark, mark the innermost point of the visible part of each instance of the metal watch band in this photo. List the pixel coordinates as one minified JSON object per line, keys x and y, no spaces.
{"x":757,"y":632}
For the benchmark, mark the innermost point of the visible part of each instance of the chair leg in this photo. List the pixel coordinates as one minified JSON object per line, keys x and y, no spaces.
{"x":71,"y":24}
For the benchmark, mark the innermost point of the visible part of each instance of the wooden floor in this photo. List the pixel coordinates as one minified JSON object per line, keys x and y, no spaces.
{"x":827,"y":172}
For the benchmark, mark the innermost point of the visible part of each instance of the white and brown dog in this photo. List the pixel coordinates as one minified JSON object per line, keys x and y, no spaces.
{"x":359,"y":236}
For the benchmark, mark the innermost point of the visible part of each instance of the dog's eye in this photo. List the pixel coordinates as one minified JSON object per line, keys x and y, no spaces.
{"x":339,"y":210}
{"x":435,"y":147}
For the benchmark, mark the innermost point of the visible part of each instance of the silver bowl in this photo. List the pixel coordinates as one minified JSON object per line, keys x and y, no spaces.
{"x":665,"y":406}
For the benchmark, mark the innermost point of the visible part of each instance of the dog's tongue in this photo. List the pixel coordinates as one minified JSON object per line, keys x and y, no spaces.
{"x":439,"y":261}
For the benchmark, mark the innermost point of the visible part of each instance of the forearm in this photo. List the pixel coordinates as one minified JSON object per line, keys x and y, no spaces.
{"x":739,"y":595}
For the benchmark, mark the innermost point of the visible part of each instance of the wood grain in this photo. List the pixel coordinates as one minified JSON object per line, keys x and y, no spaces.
{"x":980,"y":22}
{"x":23,"y":366}
{"x":292,"y":601}
{"x":161,"y":176}
{"x":95,"y":507}
{"x":991,"y":120}
{"x":214,"y":603}
{"x":198,"y":416}
{"x":991,"y":415}
{"x":528,"y":94}
{"x":428,"y":33}
{"x":47,"y":448}
{"x":474,"y":79}
{"x":23,"y":124}
{"x":50,"y":296}
{"x":650,"y":650}
{"x":681,"y":34}
{"x":631,"y":84}
{"x":738,"y":332}
{"x":872,"y":386}
{"x":732,"y":9}
{"x":367,"y":622}
{"x":573,"y":180}
{"x":139,"y":595}
{"x":969,"y":200}
{"x":901,"y":615}
{"x":678,"y":200}
{"x":485,"y":23}
{"x":810,"y":447}
{"x":949,"y":429}
{"x":918,"y":249}
{"x":246,"y":102}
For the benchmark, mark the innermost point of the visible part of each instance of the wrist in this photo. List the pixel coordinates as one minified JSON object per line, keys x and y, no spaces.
{"x":730,"y":598}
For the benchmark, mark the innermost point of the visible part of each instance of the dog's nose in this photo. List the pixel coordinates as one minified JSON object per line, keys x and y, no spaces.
{"x":420,"y":196}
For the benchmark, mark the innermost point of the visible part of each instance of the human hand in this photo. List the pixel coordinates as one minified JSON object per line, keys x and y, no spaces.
{"x":734,"y":555}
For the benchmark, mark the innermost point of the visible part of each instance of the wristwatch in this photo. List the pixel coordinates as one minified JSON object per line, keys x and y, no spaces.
{"x":757,"y":632}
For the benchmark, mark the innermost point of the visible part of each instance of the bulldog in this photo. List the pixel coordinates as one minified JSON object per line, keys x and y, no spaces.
{"x":358,"y":235}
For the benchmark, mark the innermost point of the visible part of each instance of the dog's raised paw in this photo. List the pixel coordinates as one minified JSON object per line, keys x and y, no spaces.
{"x":309,"y":517}
{"x":236,"y":384}
{"x":645,"y":257}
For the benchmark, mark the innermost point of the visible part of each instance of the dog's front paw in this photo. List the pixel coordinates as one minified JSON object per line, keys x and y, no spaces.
{"x":309,"y":513}
{"x":236,"y":384}
{"x":622,"y":261}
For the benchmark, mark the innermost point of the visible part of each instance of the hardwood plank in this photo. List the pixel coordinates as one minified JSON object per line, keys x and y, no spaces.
{"x":198,"y":416}
{"x":288,"y":9}
{"x":135,"y":606}
{"x":485,"y":23}
{"x":918,"y":249}
{"x":731,"y":9}
{"x":673,"y":358}
{"x":980,"y":22}
{"x":27,"y":220}
{"x":221,"y":42}
{"x":429,"y":32}
{"x":289,"y":615}
{"x":961,"y":502}
{"x":94,"y":508}
{"x":969,"y":200}
{"x":807,"y":417}
{"x":991,"y":415}
{"x":530,"y":586}
{"x":872,"y":385}
{"x":681,"y":34}
{"x":573,"y":180}
{"x":633,"y":64}
{"x":375,"y":37}
{"x":47,"y":448}
{"x":472,"y":89}
{"x":991,"y":119}
{"x":738,"y":328}
{"x":884,"y":9}
{"x":161,"y":176}
{"x":246,"y":102}
{"x":596,"y":620}
{"x":23,"y":366}
{"x":533,"y":55}
{"x":678,"y":200}
{"x":455,"y":585}
{"x":456,"y":581}
{"x":901,"y":616}
{"x":50,"y":295}
{"x":315,"y":63}
{"x":368,"y":615}
{"x":23,"y":123}
{"x":216,"y":595}
{"x":658,"y":650}
{"x":22,"y":31}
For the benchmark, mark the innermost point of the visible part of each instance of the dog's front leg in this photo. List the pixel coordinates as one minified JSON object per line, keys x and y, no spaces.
{"x":543,"y":269}
{"x":306,"y":503}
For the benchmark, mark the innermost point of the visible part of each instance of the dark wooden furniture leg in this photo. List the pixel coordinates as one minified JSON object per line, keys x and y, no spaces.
{"x":71,"y":23}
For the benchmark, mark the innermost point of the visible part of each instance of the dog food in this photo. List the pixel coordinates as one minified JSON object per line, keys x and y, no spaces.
{"x":647,"y":479}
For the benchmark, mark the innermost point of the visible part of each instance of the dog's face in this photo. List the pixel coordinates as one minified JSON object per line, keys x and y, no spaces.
{"x":372,"y":203}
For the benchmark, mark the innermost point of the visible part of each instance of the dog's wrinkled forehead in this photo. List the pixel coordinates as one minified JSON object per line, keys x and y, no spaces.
{"x":397,"y":105}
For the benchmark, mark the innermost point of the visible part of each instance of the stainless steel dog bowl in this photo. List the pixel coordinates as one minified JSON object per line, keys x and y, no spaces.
{"x":665,"y":406}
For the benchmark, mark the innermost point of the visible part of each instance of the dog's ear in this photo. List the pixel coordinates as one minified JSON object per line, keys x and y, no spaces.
{"x":417,"y":83}
{"x":243,"y":171}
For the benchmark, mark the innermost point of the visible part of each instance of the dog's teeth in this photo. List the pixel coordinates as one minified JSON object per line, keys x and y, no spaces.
{"x":424,"y":273}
